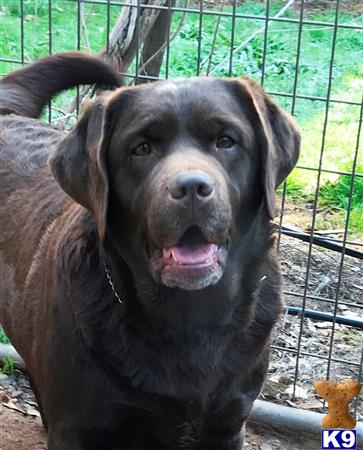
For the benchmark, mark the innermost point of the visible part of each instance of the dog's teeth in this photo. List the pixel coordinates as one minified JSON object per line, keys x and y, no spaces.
{"x":173,"y":255}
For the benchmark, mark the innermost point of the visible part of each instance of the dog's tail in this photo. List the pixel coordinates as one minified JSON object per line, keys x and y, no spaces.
{"x":26,"y":91}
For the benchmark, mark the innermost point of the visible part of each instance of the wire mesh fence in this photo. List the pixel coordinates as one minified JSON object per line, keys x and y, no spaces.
{"x":308,"y":56}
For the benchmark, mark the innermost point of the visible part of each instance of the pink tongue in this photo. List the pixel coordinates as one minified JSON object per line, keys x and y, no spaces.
{"x":194,"y":254}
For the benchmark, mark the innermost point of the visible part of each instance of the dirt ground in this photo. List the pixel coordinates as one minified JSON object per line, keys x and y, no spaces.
{"x":20,"y":432}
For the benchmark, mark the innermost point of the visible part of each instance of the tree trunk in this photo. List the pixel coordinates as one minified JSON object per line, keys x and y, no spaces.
{"x":155,"y":46}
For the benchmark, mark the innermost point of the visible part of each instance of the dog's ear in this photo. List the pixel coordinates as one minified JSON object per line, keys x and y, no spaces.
{"x":78,"y":163}
{"x":279,"y":140}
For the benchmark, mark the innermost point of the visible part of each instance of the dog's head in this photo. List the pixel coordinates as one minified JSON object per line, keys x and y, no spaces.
{"x":175,"y":172}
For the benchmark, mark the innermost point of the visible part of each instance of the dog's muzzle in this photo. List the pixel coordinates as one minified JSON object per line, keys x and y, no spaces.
{"x":195,"y":253}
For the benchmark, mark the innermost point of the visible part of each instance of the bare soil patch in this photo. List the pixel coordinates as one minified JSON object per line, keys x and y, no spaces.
{"x":20,"y":432}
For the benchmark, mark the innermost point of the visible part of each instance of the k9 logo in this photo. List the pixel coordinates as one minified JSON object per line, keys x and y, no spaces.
{"x":341,"y":439}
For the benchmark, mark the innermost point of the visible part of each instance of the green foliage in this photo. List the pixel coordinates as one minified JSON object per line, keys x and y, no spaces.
{"x":356,"y":219}
{"x":3,"y":338}
{"x":30,"y":7}
{"x":294,"y":188}
{"x":8,"y":366}
{"x":281,"y":51}
{"x":338,"y":192}
{"x":64,"y":27}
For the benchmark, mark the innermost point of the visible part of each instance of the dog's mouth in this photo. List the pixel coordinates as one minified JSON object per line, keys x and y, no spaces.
{"x":193,"y":263}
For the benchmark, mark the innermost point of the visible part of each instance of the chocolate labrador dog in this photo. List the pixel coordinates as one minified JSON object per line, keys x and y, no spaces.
{"x":138,"y":277}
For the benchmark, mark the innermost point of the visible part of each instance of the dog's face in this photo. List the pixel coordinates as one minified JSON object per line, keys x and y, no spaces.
{"x":181,"y":158}
{"x":177,"y":171}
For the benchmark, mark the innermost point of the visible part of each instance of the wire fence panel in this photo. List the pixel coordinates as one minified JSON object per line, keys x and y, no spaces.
{"x":308,"y":56}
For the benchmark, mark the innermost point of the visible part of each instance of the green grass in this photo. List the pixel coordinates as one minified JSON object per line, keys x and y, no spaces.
{"x":331,"y":138}
{"x":3,"y":338}
{"x":338,"y":194}
{"x":8,"y":366}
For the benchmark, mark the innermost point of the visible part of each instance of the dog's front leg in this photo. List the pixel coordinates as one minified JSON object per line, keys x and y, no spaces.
{"x":65,"y":440}
{"x":234,"y":443}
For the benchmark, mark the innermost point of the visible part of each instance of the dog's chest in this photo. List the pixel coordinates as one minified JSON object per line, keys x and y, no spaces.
{"x":187,"y":435}
{"x":179,"y":396}
{"x":184,"y":432}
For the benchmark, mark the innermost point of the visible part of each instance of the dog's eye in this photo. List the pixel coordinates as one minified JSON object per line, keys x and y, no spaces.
{"x":225,"y":142}
{"x":142,"y":149}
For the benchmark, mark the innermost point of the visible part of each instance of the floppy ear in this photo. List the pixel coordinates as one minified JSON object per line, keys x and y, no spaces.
{"x":78,"y":163}
{"x":279,"y":141}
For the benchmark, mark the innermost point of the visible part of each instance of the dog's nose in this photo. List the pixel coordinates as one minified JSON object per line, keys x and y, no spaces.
{"x":191,"y":185}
